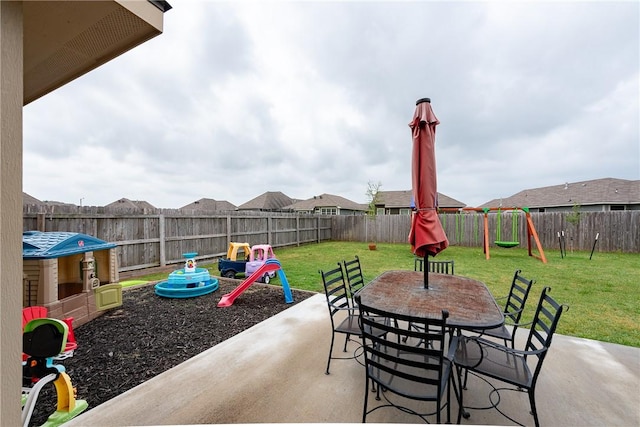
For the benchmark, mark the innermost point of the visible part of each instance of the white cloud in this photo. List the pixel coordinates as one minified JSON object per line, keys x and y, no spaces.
{"x":239,"y":98}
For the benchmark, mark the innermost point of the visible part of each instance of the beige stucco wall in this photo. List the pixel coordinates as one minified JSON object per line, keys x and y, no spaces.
{"x":30,"y":23}
{"x":11,"y":87}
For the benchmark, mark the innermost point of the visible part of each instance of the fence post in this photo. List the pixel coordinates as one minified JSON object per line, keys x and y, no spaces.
{"x":41,"y":220}
{"x":162,"y":242}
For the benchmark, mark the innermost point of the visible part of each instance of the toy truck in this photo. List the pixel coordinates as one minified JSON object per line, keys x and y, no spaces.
{"x":236,"y":260}
{"x":257,"y":257}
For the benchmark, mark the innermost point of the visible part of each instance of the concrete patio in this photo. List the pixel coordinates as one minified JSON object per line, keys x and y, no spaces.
{"x":274,"y":373}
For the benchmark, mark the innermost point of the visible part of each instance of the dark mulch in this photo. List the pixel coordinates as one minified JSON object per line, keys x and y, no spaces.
{"x":150,"y":334}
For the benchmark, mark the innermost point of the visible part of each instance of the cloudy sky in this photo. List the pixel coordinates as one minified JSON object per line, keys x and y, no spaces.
{"x":238,"y":98}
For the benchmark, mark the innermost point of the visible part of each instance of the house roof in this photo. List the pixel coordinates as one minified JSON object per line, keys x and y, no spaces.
{"x":130,"y":204}
{"x":30,"y":200}
{"x":56,"y":244}
{"x":594,"y":192}
{"x":269,"y":201}
{"x":402,"y":199}
{"x":56,"y":203}
{"x":326,"y":201}
{"x":205,"y":204}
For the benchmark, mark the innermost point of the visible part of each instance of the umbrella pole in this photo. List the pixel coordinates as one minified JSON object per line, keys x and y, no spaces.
{"x":426,"y":271}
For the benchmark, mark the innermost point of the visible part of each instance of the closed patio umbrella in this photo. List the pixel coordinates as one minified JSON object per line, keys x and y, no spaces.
{"x":427,"y":237}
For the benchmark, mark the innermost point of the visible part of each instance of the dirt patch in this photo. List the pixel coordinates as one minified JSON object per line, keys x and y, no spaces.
{"x":150,"y":334}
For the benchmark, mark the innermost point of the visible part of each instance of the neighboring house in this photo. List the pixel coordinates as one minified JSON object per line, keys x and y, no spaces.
{"x":30,"y":200}
{"x":401,"y":202}
{"x":271,"y":201}
{"x":55,"y":204}
{"x":327,"y":204}
{"x":606,"y":194}
{"x":209,"y":205}
{"x":32,"y":205}
{"x":124,"y":203}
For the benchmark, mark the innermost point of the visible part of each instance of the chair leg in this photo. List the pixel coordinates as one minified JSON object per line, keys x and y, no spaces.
{"x":452,"y":383}
{"x":346,"y":340}
{"x":377,"y":390}
{"x":466,"y":377}
{"x":448,"y":400}
{"x":406,"y":337}
{"x":366,"y":400}
{"x":513,"y":340}
{"x":461,"y":411}
{"x":534,"y":412}
{"x":333,"y":336}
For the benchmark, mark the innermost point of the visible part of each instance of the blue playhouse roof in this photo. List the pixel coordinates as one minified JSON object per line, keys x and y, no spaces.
{"x":56,"y":244}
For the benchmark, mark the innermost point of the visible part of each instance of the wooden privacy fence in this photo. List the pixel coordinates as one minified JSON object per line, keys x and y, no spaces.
{"x":618,"y":230}
{"x":157,"y":240}
{"x":153,"y":240}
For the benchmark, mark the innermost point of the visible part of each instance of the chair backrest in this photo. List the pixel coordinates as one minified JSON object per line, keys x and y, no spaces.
{"x":353,"y":271}
{"x":33,"y":312}
{"x":403,"y":364}
{"x":517,"y":297}
{"x":335,"y":289}
{"x":442,"y":267}
{"x":545,"y":321}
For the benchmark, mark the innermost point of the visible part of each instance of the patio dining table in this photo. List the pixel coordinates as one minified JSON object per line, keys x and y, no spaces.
{"x":469,"y":302}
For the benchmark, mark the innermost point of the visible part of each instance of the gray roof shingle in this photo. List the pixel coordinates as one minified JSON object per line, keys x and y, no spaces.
{"x":30,"y":200}
{"x":269,"y":201}
{"x":593,"y":192}
{"x":130,"y":204}
{"x":209,"y":205}
{"x":402,"y":199}
{"x":326,"y":201}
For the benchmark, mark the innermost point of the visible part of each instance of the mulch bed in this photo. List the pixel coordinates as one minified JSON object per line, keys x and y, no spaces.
{"x":150,"y":334}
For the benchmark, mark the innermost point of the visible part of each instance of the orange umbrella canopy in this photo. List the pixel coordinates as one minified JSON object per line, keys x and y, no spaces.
{"x":427,"y":237}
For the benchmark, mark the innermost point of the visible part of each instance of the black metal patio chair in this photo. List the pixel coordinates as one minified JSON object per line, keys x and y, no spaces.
{"x":442,"y":267}
{"x":520,"y":368}
{"x":513,"y":309}
{"x":395,"y":368}
{"x":339,"y":304}
{"x":355,"y":279}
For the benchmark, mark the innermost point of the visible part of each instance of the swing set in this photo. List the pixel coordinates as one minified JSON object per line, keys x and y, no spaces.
{"x":531,"y":232}
{"x":501,"y":241}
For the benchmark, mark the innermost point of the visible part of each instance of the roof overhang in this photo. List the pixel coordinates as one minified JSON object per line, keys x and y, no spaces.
{"x":65,"y":39}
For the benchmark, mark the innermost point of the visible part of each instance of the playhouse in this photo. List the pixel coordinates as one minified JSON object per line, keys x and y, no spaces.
{"x":71,"y":274}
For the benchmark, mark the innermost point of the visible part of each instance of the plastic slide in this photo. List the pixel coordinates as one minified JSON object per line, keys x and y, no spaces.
{"x":270,"y":265}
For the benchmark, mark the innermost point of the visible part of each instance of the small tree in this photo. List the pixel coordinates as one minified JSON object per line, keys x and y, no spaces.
{"x":373,"y":198}
{"x":574,"y":219}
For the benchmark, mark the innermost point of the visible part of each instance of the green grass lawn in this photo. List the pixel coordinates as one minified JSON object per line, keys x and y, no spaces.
{"x":603,"y":293}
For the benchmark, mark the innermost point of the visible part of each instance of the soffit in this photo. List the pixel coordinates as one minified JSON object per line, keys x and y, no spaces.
{"x":65,"y":39}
